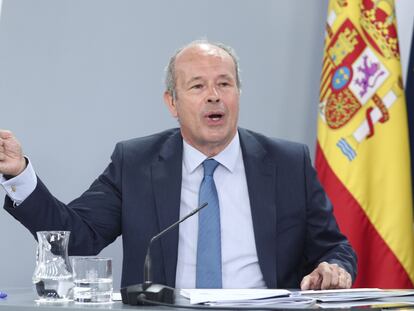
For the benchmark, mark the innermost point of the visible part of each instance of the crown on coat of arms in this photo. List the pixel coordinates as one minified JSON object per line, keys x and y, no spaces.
{"x":378,"y":23}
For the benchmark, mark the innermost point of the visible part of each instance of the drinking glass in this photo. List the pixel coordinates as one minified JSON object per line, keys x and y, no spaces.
{"x":92,"y":277}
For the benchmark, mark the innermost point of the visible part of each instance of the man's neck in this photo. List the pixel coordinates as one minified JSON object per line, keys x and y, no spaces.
{"x":210,"y":149}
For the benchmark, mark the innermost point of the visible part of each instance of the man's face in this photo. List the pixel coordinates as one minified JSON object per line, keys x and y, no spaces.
{"x":207,"y":97}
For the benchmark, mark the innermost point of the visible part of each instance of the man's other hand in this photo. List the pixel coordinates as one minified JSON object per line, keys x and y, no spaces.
{"x":327,"y":276}
{"x":12,"y":161}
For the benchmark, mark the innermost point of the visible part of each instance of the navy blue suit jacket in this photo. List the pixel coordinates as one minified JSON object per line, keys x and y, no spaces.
{"x":138,"y":195}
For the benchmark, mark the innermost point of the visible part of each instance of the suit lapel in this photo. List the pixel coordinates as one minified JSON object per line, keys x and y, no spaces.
{"x":261,"y":177}
{"x":166,"y":179}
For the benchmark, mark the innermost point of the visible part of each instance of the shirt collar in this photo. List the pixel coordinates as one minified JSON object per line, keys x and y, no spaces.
{"x":228,"y":157}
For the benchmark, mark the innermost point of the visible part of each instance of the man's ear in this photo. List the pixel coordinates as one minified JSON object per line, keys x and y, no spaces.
{"x":171,"y":104}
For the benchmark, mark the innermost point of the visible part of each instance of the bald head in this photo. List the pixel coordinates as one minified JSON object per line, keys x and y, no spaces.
{"x":192,"y":50}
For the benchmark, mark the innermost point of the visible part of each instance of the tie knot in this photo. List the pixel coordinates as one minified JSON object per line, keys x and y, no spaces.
{"x":209,"y":166}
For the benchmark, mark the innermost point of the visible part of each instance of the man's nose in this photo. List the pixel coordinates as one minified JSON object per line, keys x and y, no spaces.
{"x":213,"y":95}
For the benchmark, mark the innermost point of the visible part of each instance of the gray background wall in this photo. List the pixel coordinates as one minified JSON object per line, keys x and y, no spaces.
{"x":78,"y":76}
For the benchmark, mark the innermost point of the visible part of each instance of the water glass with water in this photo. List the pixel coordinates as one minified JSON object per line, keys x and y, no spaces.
{"x":93,"y":279}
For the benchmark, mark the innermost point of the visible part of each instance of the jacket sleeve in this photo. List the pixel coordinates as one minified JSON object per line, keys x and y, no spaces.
{"x":94,"y":218}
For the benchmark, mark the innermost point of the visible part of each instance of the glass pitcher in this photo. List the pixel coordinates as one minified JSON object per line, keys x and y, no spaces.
{"x":52,"y":277}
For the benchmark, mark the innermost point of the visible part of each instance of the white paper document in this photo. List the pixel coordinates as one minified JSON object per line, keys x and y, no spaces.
{"x":281,"y":298}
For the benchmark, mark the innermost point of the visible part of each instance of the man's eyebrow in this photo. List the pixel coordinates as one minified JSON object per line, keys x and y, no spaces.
{"x":225,"y":76}
{"x":193,"y":79}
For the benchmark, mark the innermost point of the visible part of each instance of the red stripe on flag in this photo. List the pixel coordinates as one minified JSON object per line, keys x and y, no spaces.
{"x":377,"y":264}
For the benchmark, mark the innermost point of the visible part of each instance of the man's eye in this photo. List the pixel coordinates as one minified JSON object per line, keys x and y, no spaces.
{"x":224,"y":84}
{"x":197,"y":86}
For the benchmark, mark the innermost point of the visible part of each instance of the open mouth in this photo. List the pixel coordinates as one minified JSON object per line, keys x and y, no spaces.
{"x":216,"y":116}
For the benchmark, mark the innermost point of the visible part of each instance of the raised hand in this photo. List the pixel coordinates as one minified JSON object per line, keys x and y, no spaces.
{"x":12,"y":161}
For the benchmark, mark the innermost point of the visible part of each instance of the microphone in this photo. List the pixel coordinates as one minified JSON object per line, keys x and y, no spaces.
{"x":134,"y":294}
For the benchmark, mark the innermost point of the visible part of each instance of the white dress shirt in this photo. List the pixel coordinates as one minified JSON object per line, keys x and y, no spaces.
{"x":21,"y":186}
{"x":240,"y":266}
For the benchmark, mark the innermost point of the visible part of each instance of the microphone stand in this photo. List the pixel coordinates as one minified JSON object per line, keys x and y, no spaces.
{"x":134,"y":294}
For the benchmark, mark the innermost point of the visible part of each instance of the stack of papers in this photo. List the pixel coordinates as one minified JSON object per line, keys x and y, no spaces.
{"x":280,"y":298}
{"x":345,"y":298}
{"x":338,"y":295}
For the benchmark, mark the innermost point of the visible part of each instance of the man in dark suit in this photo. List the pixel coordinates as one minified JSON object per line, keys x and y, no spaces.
{"x":276,"y":227}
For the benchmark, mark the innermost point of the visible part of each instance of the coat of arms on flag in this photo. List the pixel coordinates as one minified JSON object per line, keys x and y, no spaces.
{"x":353,"y":76}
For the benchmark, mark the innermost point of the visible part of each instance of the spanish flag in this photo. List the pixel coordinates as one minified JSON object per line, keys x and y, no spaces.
{"x":362,"y":155}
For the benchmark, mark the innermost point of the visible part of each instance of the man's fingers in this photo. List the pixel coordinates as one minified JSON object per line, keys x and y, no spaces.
{"x":335,"y":276}
{"x":326,"y":272}
{"x":342,"y":280}
{"x":305,"y":284}
{"x":345,"y":279}
{"x":5,"y":134}
{"x":10,"y":146}
{"x":12,"y":161}
{"x":311,"y":281}
{"x":327,"y":276}
{"x":2,"y":150}
{"x":348,"y":281}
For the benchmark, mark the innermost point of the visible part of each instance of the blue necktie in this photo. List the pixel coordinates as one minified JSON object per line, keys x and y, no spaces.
{"x":208,"y":270}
